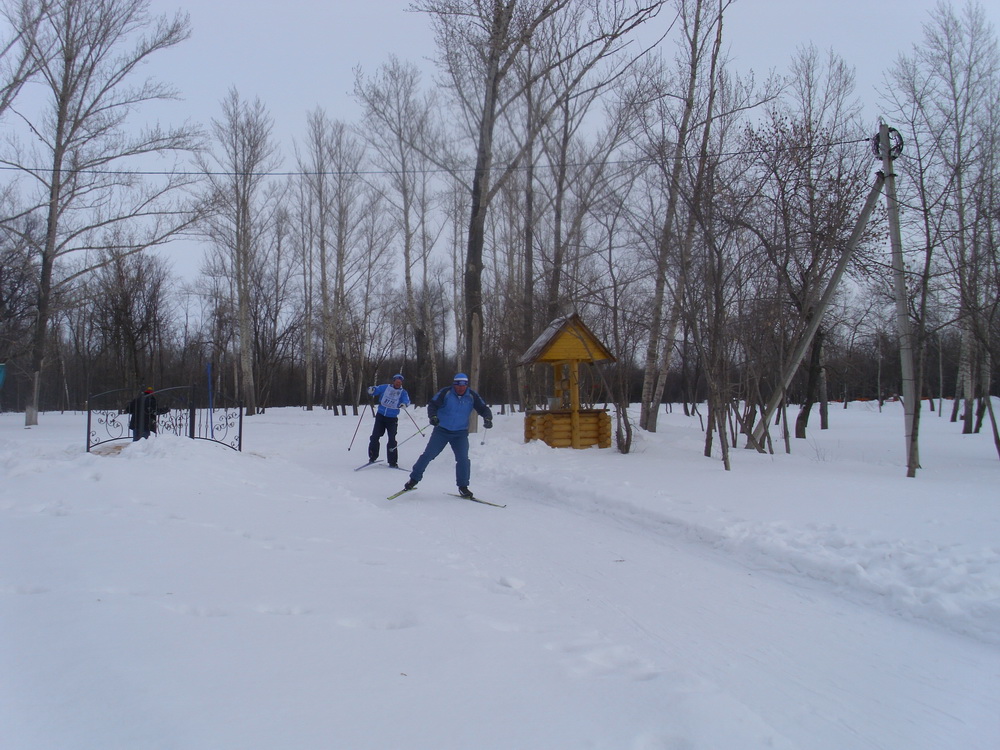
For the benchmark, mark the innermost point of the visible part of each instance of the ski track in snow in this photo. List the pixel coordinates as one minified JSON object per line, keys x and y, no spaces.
{"x":952,"y":586}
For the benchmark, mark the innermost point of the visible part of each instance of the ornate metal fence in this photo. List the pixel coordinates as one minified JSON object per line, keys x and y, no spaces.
{"x":182,"y":411}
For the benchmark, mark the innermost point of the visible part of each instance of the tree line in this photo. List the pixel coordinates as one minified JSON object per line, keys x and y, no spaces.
{"x":566,"y":156}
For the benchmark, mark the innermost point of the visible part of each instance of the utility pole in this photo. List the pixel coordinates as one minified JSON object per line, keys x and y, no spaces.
{"x":890,"y":145}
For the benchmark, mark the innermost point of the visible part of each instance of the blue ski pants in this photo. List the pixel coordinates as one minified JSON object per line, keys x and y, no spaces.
{"x":459,"y":442}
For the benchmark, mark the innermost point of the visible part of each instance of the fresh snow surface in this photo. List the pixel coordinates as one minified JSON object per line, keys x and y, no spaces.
{"x":176,"y":594}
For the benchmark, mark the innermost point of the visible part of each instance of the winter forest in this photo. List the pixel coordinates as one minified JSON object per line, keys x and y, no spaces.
{"x":726,"y":235}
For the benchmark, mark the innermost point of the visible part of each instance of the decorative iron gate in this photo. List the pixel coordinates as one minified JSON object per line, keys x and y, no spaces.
{"x":185,"y":413}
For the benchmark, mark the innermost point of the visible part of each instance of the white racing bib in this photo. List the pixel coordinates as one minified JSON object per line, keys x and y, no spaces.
{"x":390,"y":397}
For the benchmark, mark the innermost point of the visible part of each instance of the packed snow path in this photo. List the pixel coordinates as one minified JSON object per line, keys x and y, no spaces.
{"x":180,"y":595}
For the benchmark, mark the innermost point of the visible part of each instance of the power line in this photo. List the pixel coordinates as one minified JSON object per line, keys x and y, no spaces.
{"x":427,"y":171}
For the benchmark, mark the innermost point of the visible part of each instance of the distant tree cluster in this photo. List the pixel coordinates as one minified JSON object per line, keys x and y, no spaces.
{"x":692,"y":216}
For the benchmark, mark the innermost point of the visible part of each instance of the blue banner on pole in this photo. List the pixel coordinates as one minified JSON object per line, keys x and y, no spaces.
{"x":3,"y":374}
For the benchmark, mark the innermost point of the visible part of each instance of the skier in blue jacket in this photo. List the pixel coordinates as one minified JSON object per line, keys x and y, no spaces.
{"x":391,"y":398}
{"x":449,"y":412}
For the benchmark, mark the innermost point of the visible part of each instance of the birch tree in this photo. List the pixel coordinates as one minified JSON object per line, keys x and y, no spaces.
{"x":398,"y":124}
{"x":315,"y":210}
{"x":236,"y":174}
{"x":944,"y":95}
{"x":668,"y":127}
{"x":349,"y":201}
{"x":305,"y":236}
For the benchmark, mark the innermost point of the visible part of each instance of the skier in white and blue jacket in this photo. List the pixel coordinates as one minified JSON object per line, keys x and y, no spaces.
{"x":449,"y":412}
{"x":391,"y":398}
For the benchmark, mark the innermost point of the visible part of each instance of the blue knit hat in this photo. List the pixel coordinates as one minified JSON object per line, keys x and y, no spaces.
{"x":460,"y":379}
{"x":397,"y":375}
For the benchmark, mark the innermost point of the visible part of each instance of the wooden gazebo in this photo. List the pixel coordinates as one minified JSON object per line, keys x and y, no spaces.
{"x":564,"y":345}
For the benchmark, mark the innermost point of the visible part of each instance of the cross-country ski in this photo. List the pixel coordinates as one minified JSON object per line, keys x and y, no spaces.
{"x":476,"y":500}
{"x":401,"y":492}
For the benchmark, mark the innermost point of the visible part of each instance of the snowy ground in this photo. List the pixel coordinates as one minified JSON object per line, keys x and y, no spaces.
{"x":179,"y":595}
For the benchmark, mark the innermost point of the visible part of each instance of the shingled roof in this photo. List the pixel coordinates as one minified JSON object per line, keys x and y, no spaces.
{"x":567,"y":338}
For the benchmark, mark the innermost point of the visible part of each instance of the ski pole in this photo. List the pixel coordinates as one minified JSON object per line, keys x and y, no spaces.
{"x":419,"y":428}
{"x":409,"y":438}
{"x":356,"y":430}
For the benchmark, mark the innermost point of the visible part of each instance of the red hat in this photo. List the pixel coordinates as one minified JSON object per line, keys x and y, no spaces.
{"x":148,"y":389}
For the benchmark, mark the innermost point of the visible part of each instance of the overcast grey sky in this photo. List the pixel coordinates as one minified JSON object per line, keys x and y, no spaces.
{"x":294,"y":55}
{"x":868,"y":34}
{"x":297,"y":54}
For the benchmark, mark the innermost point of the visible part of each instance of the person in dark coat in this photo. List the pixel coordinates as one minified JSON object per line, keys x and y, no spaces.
{"x":142,"y":413}
{"x":449,"y":412}
{"x":391,"y":398}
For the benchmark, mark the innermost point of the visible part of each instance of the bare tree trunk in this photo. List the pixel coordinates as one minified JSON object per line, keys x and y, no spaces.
{"x":665,"y":359}
{"x":666,"y":238}
{"x":41,"y":323}
{"x":967,"y":377}
{"x":242,"y":271}
{"x":307,"y":323}
{"x":528,"y":291}
{"x":812,"y":385}
{"x":559,"y":188}
{"x":824,"y":400}
{"x":993,"y":424}
{"x":314,"y":210}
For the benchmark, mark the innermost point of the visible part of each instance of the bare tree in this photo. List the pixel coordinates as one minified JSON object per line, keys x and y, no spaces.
{"x":129,"y":308}
{"x":945,"y":95}
{"x":812,"y":180}
{"x":87,"y":53}
{"x":305,"y":239}
{"x":349,"y":199}
{"x":370,"y":328}
{"x":618,"y":291}
{"x":315,"y":211}
{"x":332,"y":204}
{"x":19,"y":54}
{"x":670,"y":125}
{"x":240,"y":202}
{"x":479,"y":46}
{"x":18,"y":293}
{"x":399,"y":125}
{"x":276,"y":312}
{"x":566,"y":95}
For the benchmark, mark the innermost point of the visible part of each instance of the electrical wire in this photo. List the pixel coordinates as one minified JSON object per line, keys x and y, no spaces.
{"x":428,"y":171}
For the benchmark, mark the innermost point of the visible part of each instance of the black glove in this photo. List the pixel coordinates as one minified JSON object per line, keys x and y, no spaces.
{"x":488,"y":424}
{"x":435,"y":420}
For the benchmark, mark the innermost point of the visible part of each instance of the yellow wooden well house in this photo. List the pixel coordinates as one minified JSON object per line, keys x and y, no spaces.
{"x":564,"y":345}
